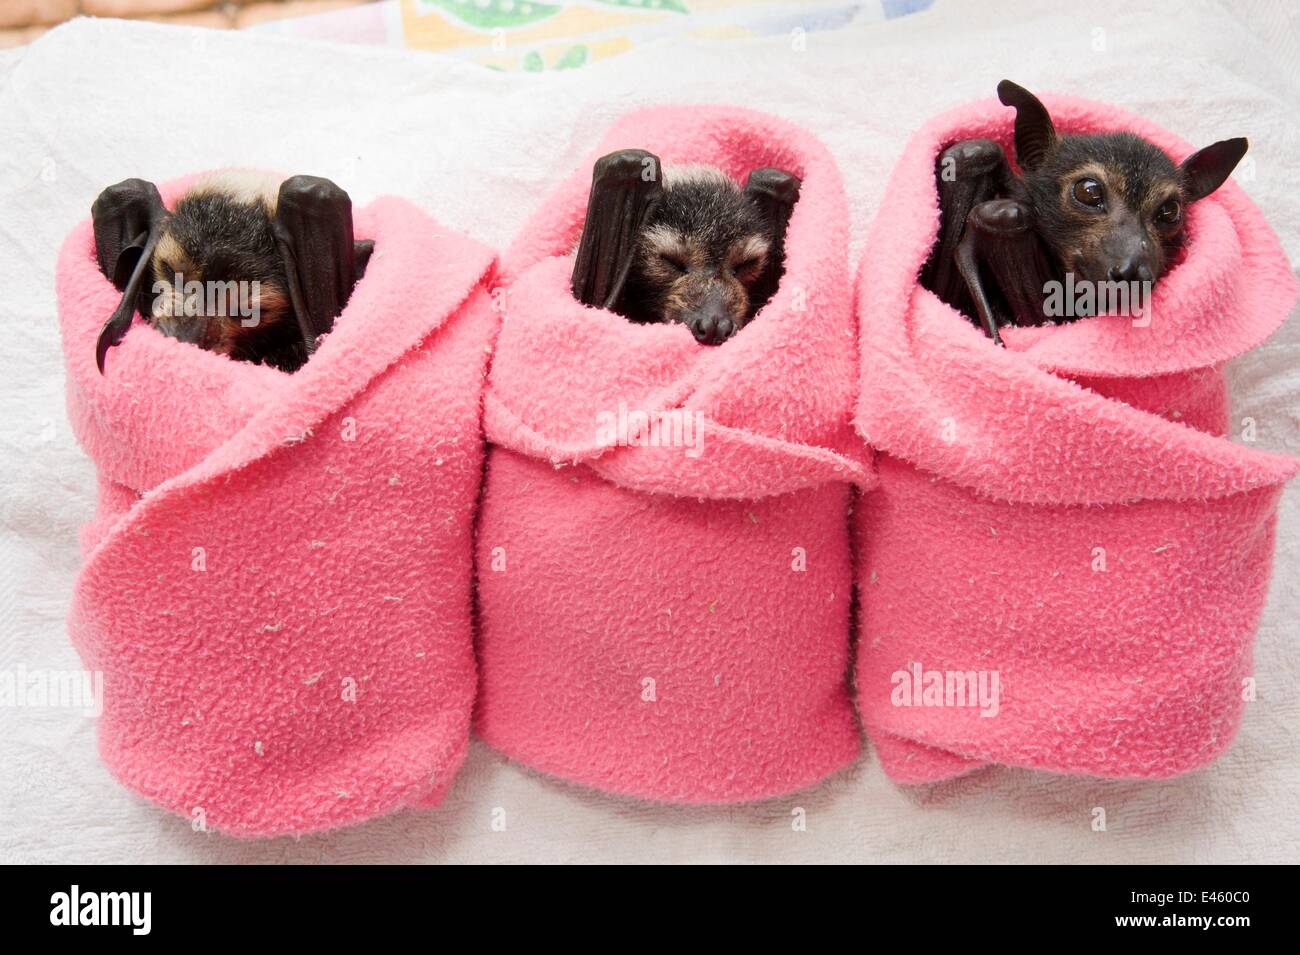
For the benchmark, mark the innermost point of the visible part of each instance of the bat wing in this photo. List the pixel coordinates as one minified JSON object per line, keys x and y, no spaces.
{"x":127,"y":219}
{"x":624,"y":188}
{"x":1005,"y":265}
{"x":967,"y":174}
{"x":322,"y":260}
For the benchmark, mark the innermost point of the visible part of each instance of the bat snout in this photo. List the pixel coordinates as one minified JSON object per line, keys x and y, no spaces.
{"x":712,"y":322}
{"x":191,"y":330}
{"x":1128,"y":259}
{"x":711,"y":306}
{"x":712,"y":328}
{"x":1131,"y":269}
{"x":1124,"y":255}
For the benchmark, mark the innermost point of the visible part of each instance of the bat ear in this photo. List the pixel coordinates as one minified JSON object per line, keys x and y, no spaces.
{"x":1206,"y":169}
{"x":1035,"y":134}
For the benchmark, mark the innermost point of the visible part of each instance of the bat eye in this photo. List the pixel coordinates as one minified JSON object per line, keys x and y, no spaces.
{"x":1089,"y":192}
{"x":1170,"y":212}
{"x":673,"y":261}
{"x":747,"y":269}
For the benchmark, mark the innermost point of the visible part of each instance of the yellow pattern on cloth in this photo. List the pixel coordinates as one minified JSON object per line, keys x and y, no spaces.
{"x":535,"y":36}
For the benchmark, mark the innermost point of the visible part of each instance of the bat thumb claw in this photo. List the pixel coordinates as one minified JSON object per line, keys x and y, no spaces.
{"x":114,"y":331}
{"x":101,"y":348}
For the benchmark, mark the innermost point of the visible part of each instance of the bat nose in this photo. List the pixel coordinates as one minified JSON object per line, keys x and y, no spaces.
{"x":185,"y":330}
{"x":711,"y":324}
{"x":1130,"y":269}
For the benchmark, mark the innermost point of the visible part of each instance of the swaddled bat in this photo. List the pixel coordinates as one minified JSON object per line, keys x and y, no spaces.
{"x":684,"y":244}
{"x":1102,"y":208}
{"x":244,"y":265}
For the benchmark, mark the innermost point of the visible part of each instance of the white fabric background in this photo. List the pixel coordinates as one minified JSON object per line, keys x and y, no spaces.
{"x":95,"y":102}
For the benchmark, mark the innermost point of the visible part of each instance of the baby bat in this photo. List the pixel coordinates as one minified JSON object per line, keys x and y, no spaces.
{"x":1101,"y":207}
{"x":244,"y":265}
{"x":682,"y":244}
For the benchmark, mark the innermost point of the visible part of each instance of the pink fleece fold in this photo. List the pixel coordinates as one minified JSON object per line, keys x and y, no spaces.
{"x":671,"y":622}
{"x":1066,"y":513}
{"x":277,"y":581}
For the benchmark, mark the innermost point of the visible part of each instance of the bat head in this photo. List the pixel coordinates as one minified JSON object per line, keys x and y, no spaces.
{"x":1110,"y":206}
{"x":218,"y":277}
{"x":700,"y":254}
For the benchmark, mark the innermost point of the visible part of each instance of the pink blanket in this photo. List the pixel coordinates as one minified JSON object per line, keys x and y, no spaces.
{"x":277,"y":584}
{"x":663,"y":555}
{"x":1066,"y":558}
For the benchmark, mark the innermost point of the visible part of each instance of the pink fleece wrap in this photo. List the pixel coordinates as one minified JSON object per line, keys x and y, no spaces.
{"x":1062,"y":522}
{"x":671,"y":622}
{"x":277,"y":582}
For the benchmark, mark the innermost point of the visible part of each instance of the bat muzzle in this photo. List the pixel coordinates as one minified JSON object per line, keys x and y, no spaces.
{"x":1131,"y":269}
{"x":712,"y":323}
{"x":191,"y":330}
{"x":1128,"y":256}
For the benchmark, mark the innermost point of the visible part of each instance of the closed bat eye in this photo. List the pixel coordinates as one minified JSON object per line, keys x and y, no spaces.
{"x":748,"y":269}
{"x":674,"y":261}
{"x":747,"y":258}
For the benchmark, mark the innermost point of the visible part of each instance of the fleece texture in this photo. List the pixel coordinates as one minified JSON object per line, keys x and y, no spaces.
{"x":671,"y":621}
{"x":277,"y":582}
{"x":1064,"y":523}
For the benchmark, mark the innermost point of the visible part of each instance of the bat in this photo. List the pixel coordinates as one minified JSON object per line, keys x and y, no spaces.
{"x":244,"y":265}
{"x":682,"y":244}
{"x":1096,"y":208}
